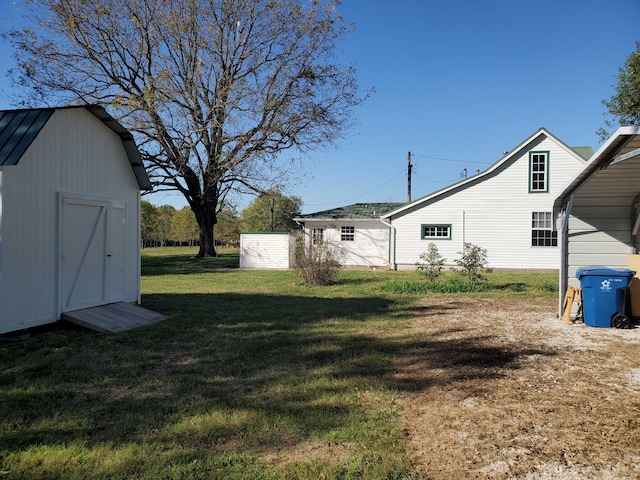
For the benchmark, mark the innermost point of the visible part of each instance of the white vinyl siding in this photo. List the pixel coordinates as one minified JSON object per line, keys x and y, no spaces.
{"x":75,"y":153}
{"x":265,"y":250}
{"x":492,"y":211}
{"x":370,"y":246}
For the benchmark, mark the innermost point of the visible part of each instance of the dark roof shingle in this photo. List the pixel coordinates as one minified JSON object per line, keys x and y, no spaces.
{"x":357,"y":211}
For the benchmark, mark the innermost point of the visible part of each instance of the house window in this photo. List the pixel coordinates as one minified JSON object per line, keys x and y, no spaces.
{"x":538,"y":171}
{"x":348,"y":234}
{"x":542,"y":233}
{"x":436,"y":231}
{"x":317,"y":236}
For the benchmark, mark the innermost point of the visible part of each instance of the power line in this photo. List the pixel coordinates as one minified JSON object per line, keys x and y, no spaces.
{"x":403,"y":172}
{"x":449,"y":159}
{"x":436,"y":181}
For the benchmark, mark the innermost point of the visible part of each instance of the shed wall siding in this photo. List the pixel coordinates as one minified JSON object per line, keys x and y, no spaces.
{"x":265,"y":250}
{"x":75,"y":154}
{"x":494,"y":213}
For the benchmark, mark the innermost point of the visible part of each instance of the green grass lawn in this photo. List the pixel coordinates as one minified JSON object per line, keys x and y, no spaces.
{"x":252,"y":377}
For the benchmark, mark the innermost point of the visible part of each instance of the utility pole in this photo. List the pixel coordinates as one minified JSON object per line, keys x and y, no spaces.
{"x":409,"y":177}
{"x":271,"y":213}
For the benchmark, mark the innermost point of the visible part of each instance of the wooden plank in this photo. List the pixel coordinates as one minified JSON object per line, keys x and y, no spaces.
{"x":95,"y":319}
{"x":136,"y":312}
{"x":115,"y":317}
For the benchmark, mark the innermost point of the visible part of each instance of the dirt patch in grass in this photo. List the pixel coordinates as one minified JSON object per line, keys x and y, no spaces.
{"x":309,"y":452}
{"x":501,"y":388}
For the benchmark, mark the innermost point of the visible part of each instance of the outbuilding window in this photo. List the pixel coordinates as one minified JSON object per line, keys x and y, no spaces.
{"x":435,"y":231}
{"x":317,"y":236}
{"x":348,"y":234}
{"x":538,"y":172}
{"x":542,"y":233}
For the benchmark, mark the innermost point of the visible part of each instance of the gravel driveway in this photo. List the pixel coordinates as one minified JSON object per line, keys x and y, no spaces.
{"x":501,"y":388}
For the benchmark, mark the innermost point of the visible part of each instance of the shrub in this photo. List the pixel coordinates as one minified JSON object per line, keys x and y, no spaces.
{"x":433,"y":262}
{"x":473,"y":261}
{"x":314,"y":264}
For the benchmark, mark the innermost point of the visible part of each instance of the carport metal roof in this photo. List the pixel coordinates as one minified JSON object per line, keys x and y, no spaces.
{"x":622,"y":146}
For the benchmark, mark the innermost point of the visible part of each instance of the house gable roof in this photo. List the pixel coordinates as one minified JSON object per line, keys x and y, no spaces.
{"x":585,"y":152}
{"x":576,"y":152}
{"x":19,"y":128}
{"x":357,"y":211}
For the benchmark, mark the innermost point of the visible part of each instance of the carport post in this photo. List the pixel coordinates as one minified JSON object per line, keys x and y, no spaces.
{"x":564,"y":252}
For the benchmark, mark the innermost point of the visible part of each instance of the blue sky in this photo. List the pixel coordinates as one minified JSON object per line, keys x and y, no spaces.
{"x":457,"y":84}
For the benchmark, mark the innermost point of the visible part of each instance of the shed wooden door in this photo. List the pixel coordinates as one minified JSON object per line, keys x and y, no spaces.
{"x":116,"y":254}
{"x":84,"y":237}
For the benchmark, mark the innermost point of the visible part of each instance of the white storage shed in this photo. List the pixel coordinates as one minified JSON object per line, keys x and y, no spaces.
{"x":70,"y":181}
{"x":266,"y":250}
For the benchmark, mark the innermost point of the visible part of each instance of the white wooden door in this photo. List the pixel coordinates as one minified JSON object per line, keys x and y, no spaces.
{"x":84,"y":239}
{"x":117,"y":281}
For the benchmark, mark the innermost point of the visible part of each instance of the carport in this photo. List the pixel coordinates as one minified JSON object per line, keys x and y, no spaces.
{"x":599,"y":210}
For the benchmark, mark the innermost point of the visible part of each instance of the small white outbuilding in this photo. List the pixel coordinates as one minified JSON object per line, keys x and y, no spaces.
{"x":70,"y":181}
{"x":266,"y":250}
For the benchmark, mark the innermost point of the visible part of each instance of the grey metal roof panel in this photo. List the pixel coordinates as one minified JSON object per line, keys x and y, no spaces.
{"x":18,"y":128}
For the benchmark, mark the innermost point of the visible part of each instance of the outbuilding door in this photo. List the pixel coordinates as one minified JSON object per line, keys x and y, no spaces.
{"x":84,"y":252}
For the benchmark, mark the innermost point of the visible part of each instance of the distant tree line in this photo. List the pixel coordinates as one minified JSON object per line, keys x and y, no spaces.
{"x":166,"y":226}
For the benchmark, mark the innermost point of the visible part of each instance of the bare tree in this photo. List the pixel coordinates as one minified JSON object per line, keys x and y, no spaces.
{"x":215,"y":90}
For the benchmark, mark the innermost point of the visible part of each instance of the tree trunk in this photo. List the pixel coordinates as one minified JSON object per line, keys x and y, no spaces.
{"x":207,"y":244}
{"x":206,"y":222}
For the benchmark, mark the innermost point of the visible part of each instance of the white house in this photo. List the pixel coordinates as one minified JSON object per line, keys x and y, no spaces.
{"x":600,"y":209}
{"x":70,"y":181}
{"x":355,"y":232}
{"x":506,"y":210}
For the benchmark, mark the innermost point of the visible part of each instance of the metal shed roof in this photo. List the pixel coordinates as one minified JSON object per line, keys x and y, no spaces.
{"x":19,"y":128}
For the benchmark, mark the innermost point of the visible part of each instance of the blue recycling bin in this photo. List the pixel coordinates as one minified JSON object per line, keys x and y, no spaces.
{"x":603,"y":293}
